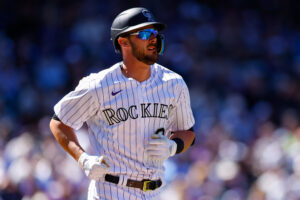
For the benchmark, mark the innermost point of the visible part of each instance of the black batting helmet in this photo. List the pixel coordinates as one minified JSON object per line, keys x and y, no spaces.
{"x":132,"y":19}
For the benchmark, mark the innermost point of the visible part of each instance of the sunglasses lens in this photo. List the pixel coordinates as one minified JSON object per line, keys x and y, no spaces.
{"x":146,"y":34}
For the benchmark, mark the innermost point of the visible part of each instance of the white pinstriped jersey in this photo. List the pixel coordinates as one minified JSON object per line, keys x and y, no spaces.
{"x":122,"y":114}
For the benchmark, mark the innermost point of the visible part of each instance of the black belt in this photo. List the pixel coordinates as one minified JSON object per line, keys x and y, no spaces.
{"x":144,"y":185}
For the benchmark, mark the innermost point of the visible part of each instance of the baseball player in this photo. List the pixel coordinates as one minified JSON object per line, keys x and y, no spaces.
{"x":137,"y":112}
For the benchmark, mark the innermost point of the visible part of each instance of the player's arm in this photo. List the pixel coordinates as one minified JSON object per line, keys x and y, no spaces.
{"x":93,"y":166}
{"x":183,"y":139}
{"x":182,"y":131}
{"x":66,"y":137}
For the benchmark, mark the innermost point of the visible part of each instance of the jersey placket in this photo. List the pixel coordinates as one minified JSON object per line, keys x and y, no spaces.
{"x":134,"y":124}
{"x":142,"y":125}
{"x":144,"y":99}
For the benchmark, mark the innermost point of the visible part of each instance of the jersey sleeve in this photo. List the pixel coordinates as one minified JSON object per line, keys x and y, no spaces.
{"x":79,"y":105}
{"x":181,"y":115}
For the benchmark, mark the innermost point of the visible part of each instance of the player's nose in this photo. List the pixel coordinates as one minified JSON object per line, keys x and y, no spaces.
{"x":152,"y":38}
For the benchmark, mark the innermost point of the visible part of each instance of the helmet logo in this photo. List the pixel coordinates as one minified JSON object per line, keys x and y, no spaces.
{"x":148,"y":14}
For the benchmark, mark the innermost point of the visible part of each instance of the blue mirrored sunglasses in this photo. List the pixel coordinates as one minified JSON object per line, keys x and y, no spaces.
{"x":146,"y":33}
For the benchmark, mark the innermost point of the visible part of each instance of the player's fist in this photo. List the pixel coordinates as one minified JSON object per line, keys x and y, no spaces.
{"x":94,"y":167}
{"x":160,"y":147}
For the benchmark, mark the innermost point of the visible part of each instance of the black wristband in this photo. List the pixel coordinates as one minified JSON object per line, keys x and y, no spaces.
{"x":180,"y":145}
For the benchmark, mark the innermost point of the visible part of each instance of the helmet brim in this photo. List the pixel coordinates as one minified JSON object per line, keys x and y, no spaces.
{"x":159,"y":26}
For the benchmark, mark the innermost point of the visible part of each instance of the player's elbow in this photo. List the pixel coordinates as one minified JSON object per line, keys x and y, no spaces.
{"x":53,"y":125}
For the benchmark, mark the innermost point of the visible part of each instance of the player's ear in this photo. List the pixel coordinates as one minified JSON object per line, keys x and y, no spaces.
{"x":123,"y":42}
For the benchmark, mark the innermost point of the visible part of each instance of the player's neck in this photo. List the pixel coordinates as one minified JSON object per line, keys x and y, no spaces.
{"x":137,"y":70}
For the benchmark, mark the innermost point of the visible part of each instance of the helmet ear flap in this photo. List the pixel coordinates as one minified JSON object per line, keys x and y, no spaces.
{"x":160,"y":44}
{"x":117,"y":46}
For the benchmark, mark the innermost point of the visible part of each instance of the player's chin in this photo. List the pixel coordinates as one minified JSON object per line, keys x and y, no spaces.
{"x":151,"y":59}
{"x":153,"y":55}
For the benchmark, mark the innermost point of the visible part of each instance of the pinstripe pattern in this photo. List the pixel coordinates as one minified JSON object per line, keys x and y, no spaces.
{"x":122,"y":114}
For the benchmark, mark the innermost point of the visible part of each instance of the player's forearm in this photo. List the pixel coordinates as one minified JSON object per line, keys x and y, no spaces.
{"x":66,"y":137}
{"x":186,"y":136}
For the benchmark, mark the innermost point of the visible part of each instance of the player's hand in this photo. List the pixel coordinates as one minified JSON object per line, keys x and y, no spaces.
{"x":94,"y":167}
{"x":160,"y":147}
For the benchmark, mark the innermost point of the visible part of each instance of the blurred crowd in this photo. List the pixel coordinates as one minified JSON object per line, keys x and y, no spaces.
{"x":239,"y":58}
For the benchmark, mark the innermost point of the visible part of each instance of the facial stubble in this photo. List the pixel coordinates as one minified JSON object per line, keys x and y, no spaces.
{"x":139,"y":54}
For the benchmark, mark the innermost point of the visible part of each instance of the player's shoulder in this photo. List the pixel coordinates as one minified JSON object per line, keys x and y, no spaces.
{"x":167,"y":74}
{"x":100,"y":76}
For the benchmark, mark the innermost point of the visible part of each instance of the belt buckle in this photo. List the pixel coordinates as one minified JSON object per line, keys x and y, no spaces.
{"x":145,"y":186}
